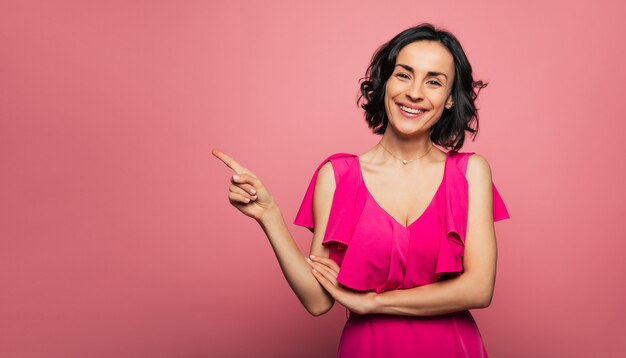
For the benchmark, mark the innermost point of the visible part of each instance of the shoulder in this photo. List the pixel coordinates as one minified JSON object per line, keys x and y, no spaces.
{"x":326,"y":175}
{"x":478,"y":169}
{"x":323,"y":194}
{"x":335,"y":165}
{"x":330,"y":171}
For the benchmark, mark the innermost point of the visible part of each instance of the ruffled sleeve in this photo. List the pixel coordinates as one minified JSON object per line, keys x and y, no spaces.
{"x":500,"y":211}
{"x":454,"y":215}
{"x":344,"y":204}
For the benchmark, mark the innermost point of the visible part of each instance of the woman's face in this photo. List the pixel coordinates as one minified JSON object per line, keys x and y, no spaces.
{"x":421,"y":80}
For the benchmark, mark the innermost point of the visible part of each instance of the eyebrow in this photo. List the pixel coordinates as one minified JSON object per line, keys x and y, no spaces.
{"x":430,"y":73}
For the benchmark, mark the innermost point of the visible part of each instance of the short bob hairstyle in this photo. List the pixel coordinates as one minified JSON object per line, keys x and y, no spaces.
{"x":449,"y":131}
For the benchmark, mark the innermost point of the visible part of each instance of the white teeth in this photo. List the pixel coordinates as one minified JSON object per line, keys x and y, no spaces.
{"x":411,"y":110}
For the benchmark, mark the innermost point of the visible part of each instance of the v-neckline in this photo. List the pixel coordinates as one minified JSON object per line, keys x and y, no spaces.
{"x":432,"y":200}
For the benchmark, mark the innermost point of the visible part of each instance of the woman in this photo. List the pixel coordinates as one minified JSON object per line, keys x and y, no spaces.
{"x":403,"y":235}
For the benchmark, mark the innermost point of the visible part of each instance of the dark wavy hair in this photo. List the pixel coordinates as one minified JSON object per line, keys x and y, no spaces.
{"x":449,"y":131}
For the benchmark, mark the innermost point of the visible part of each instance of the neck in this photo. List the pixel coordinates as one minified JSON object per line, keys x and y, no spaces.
{"x":407,"y":148}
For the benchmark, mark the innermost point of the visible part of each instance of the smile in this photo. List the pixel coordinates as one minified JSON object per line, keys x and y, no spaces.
{"x":411,"y":112}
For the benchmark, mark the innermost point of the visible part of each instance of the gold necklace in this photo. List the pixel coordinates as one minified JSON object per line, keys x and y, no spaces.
{"x":405,"y":162}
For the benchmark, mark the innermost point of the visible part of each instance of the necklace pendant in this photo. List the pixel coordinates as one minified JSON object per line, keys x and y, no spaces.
{"x":404,"y":162}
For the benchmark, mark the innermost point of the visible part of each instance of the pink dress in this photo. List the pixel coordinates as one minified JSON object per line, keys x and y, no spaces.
{"x":376,"y":252}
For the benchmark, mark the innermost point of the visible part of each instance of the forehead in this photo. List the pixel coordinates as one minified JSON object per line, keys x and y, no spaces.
{"x":426,"y":56}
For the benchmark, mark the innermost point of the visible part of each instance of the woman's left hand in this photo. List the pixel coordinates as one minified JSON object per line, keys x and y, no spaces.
{"x":326,"y":271}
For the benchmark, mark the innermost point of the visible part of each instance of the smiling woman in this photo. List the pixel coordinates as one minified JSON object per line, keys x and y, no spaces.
{"x":401,"y":246}
{"x":423,"y":61}
{"x":403,"y":234}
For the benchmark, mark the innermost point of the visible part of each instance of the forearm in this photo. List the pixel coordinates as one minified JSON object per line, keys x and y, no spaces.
{"x":456,"y":294}
{"x":293,"y":264}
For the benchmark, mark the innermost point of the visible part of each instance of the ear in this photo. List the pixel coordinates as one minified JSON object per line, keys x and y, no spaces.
{"x":449,"y":102}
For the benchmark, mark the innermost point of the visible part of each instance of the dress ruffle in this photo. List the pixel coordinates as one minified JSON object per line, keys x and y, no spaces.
{"x":348,"y":203}
{"x":345,"y":209}
{"x":454,"y":212}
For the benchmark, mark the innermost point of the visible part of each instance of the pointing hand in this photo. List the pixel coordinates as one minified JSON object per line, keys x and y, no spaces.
{"x":248,"y":193}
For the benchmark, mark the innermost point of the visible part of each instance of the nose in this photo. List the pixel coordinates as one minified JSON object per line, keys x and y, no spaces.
{"x":415,"y":91}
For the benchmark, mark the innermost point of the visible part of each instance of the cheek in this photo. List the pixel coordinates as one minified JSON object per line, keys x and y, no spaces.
{"x":441,"y":99}
{"x":392,"y":88}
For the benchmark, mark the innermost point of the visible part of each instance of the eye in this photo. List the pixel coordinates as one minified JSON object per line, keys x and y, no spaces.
{"x":434,"y":82}
{"x":402,"y":74}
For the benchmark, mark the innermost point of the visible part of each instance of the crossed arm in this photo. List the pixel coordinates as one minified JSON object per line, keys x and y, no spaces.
{"x":472,"y":289}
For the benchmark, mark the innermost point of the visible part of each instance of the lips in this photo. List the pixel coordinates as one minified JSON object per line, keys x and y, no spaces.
{"x":405,"y":112}
{"x":411,"y":106}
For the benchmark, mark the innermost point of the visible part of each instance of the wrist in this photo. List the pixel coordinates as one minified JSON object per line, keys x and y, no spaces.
{"x":271,"y":214}
{"x":374,"y":302}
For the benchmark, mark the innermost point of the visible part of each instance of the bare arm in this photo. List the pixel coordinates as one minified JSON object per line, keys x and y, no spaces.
{"x":474,"y":287}
{"x":296,"y":270}
{"x":249,"y":195}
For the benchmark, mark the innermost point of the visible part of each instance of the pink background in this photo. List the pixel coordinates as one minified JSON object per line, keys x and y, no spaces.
{"x":116,"y":235}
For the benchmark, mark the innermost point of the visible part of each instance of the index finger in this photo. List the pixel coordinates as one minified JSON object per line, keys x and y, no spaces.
{"x":231,"y":163}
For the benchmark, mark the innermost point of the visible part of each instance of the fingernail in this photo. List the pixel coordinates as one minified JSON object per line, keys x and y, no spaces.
{"x":236,"y":177}
{"x":252,"y":191}
{"x":312,"y":256}
{"x":308,"y":259}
